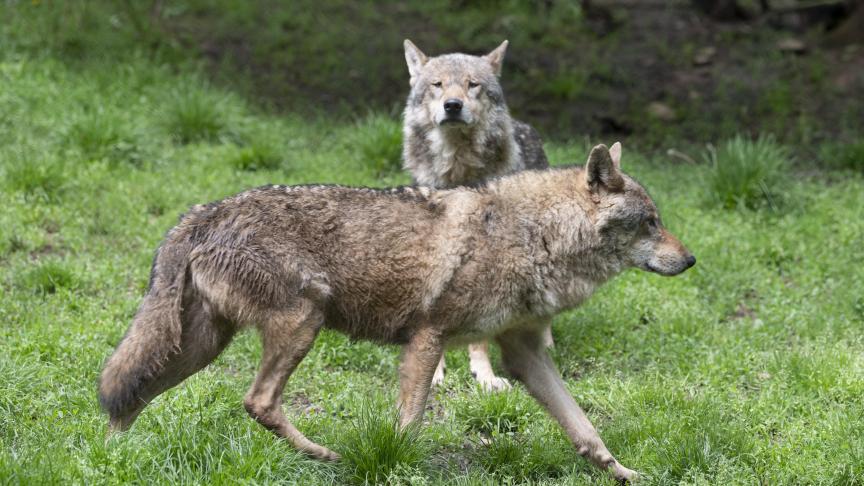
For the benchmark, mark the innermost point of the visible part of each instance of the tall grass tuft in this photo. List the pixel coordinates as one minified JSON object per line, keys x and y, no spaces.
{"x":39,"y":176}
{"x":48,"y":277}
{"x":489,"y":413}
{"x":375,"y":447}
{"x":95,"y":133}
{"x":101,"y":135}
{"x":262,"y":150}
{"x":195,"y":115}
{"x":524,"y":458}
{"x":746,"y":173}
{"x":378,"y":140}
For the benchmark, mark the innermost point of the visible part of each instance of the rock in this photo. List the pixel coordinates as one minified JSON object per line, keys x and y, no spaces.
{"x":661,"y":111}
{"x":704,"y":56}
{"x":792,"y":45}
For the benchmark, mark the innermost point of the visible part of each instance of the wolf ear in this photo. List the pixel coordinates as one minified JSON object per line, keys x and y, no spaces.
{"x":496,"y":57}
{"x":601,"y":170}
{"x":615,"y":153}
{"x":415,"y":58}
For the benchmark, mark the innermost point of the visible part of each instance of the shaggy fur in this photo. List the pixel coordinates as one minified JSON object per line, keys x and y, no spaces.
{"x":445,"y":148}
{"x":480,"y":141}
{"x":419,"y":267}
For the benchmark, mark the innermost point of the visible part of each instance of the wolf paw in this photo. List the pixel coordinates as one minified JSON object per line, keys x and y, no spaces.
{"x":623,"y":475}
{"x":494,"y":383}
{"x":322,"y":453}
{"x":548,"y":340}
{"x":438,"y":377}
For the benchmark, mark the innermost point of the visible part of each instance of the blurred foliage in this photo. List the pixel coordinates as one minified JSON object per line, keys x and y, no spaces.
{"x":570,"y":71}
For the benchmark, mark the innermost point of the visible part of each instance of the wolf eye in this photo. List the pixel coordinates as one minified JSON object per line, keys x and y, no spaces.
{"x":472,"y":84}
{"x":437,"y":84}
{"x":651,"y":223}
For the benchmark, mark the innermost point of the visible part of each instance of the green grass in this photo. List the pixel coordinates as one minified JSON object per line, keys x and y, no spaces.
{"x":747,"y":369}
{"x":539,"y":453}
{"x":48,"y":276}
{"x":196,"y":114}
{"x":489,"y":413}
{"x":264,"y":150}
{"x":377,"y":139}
{"x":34,"y":175}
{"x":745,"y":173}
{"x":377,"y":449}
{"x":843,"y":155}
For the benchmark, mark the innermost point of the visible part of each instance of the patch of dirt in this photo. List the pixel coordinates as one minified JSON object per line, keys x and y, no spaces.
{"x":300,"y":403}
{"x":455,"y":458}
{"x":51,"y":226}
{"x":435,"y":406}
{"x":45,"y":250}
{"x":743,"y":312}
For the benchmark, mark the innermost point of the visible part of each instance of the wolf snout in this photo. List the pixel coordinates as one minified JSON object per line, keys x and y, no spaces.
{"x":690,"y":261}
{"x":453,"y":106}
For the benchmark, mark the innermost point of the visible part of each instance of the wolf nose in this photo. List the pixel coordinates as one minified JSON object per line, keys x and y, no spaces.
{"x":453,"y":106}
{"x":691,"y":260}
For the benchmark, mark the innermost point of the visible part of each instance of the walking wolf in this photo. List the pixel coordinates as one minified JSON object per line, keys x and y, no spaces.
{"x":419,"y":267}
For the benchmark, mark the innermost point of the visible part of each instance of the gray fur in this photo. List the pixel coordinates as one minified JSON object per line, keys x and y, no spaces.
{"x":489,"y":144}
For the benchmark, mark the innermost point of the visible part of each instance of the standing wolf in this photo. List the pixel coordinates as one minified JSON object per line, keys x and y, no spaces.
{"x":420,"y":267}
{"x":458,"y":131}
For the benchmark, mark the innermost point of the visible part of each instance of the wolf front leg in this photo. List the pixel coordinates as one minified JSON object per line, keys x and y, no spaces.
{"x":526,"y":359}
{"x":420,"y":357}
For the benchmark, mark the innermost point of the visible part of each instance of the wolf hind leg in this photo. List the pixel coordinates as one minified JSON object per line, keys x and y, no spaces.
{"x":548,"y":340}
{"x":202,"y":339}
{"x":287,"y":336}
{"x":481,"y":368}
{"x":438,"y":376}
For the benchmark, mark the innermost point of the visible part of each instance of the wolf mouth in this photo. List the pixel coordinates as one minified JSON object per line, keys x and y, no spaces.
{"x":453,"y":121}
{"x":665,"y":273}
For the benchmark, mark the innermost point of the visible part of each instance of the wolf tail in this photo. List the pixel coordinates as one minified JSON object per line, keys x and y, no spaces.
{"x":153,"y":337}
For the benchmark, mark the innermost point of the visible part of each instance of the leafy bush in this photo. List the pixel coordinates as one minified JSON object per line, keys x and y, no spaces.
{"x":746,"y":173}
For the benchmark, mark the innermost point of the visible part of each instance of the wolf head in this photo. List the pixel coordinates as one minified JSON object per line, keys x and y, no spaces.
{"x":455,"y":91}
{"x":627,"y":219}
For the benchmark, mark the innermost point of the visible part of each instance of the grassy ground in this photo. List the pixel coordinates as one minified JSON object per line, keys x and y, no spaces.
{"x":745,"y":370}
